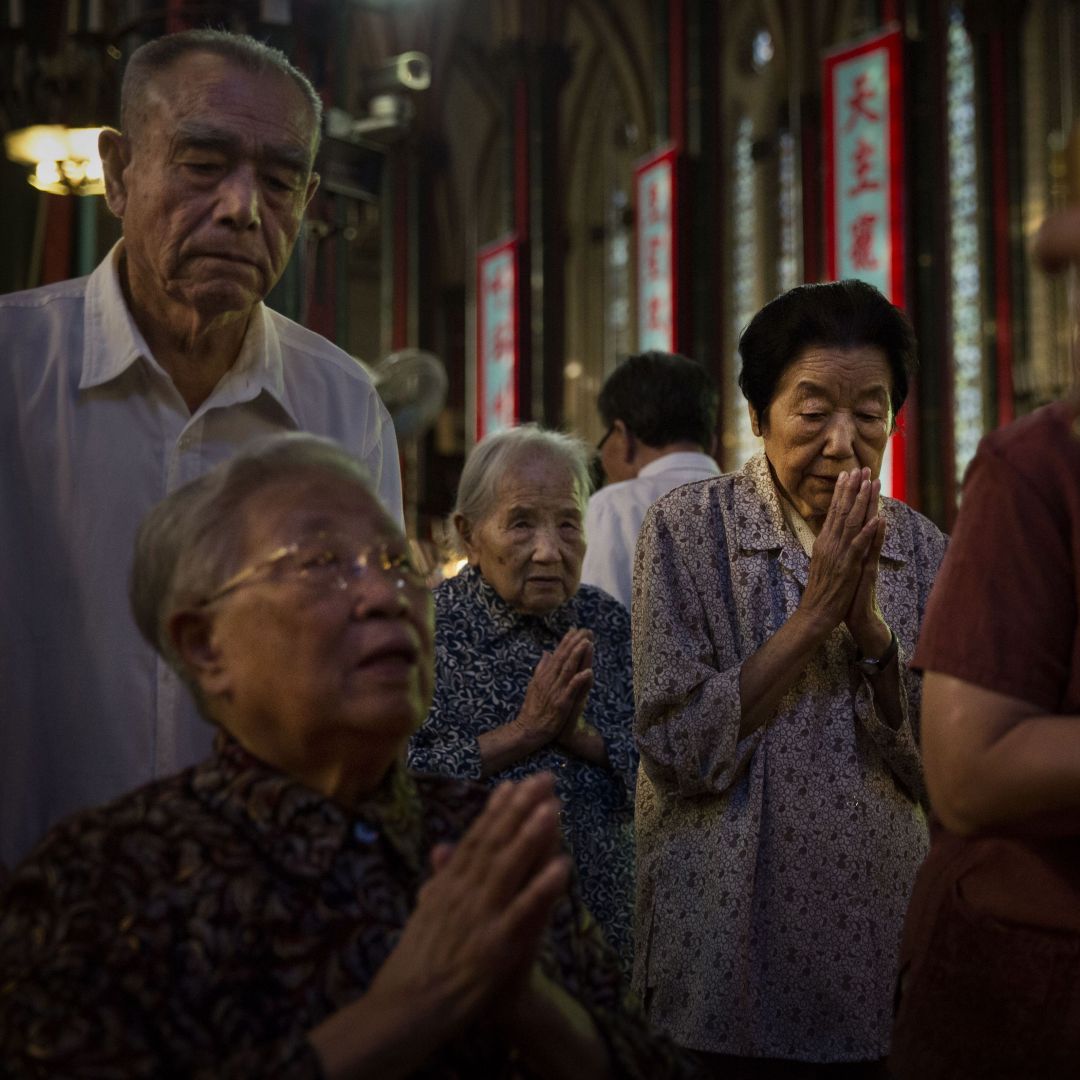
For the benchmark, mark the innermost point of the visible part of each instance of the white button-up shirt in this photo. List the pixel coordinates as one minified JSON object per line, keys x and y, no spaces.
{"x":615,"y":513}
{"x":92,"y":434}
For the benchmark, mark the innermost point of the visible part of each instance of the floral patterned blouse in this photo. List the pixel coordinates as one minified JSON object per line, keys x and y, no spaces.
{"x":774,"y":871}
{"x":200,"y":926}
{"x":485,"y":654}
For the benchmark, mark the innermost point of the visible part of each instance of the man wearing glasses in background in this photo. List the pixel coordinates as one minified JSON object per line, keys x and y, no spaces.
{"x":660,"y":413}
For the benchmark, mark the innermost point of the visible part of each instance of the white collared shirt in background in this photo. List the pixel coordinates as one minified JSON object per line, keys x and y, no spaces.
{"x":616,"y":511}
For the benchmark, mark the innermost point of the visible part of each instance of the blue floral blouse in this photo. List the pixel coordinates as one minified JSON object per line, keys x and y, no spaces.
{"x":485,"y":654}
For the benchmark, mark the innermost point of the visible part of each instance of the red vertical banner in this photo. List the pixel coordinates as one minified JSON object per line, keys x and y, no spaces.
{"x":498,"y":345}
{"x":863,"y":132}
{"x":656,"y":197}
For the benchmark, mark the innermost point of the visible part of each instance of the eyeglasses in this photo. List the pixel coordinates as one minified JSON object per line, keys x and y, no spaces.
{"x":607,"y":435}
{"x":325,"y":563}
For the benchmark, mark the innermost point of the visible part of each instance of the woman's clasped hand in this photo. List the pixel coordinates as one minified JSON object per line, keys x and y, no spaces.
{"x":554,"y":705}
{"x":468,"y":951}
{"x":844,"y":565}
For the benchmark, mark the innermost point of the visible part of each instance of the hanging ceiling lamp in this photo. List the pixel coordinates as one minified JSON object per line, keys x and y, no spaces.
{"x":65,"y":160}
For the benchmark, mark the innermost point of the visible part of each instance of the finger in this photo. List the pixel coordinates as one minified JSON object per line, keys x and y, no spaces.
{"x":577,"y":690}
{"x":839,"y":497}
{"x":572,"y":638}
{"x":876,"y":544}
{"x":860,"y":545}
{"x":839,"y":505}
{"x":566,"y":649}
{"x":507,"y":807}
{"x":577,"y":706}
{"x":542,"y":676}
{"x":526,"y":915}
{"x":440,"y":856}
{"x":543,"y":664}
{"x":582,"y":657}
{"x":513,"y":863}
{"x":590,"y":655}
{"x":860,"y":506}
{"x":572,"y":660}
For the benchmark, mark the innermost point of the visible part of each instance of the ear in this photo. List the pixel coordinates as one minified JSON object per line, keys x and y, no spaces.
{"x":755,"y":420}
{"x":192,"y":636}
{"x":629,"y":442}
{"x":115,"y":151}
{"x":312,"y":187}
{"x":465,"y":531}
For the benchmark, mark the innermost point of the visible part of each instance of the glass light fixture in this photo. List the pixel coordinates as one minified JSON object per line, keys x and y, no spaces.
{"x":65,"y":160}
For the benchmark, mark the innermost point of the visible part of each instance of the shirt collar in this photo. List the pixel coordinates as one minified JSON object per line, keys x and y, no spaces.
{"x":684,"y":459}
{"x":760,"y":524}
{"x":113,"y":342}
{"x":299,"y":828}
{"x":798,"y":525}
{"x":506,"y":619}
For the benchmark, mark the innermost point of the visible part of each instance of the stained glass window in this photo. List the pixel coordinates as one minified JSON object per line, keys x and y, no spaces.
{"x":969,"y":413}
{"x":740,"y":443}
{"x":787,"y":269}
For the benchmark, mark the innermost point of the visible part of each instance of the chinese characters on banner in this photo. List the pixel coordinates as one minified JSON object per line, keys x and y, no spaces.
{"x":497,"y":344}
{"x":864,"y":169}
{"x":655,"y":191}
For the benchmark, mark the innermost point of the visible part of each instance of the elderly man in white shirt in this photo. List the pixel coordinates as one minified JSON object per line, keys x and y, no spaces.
{"x":660,"y":413}
{"x":118,"y":388}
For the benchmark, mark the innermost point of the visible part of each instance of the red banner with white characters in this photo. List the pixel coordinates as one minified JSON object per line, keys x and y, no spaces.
{"x":656,"y":196}
{"x":863,"y":122}
{"x":498,"y":348}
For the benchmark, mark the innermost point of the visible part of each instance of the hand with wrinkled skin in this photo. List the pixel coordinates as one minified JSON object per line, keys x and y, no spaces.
{"x":849,"y":535}
{"x":840,"y":588}
{"x":479,"y":919}
{"x":468,"y":950}
{"x":864,"y":618}
{"x":557,"y":692}
{"x":554,"y":704}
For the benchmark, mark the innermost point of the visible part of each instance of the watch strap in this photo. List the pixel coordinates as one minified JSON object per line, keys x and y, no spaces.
{"x":873,"y":666}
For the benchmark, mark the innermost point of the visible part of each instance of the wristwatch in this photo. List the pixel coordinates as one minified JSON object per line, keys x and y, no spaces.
{"x":872,"y":667}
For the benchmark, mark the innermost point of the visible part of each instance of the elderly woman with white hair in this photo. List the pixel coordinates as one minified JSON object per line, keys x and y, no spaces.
{"x":532,"y":669}
{"x":298,"y":904}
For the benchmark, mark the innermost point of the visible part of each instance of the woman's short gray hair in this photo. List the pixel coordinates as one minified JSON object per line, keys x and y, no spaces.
{"x":194,"y":540}
{"x":496,"y":455}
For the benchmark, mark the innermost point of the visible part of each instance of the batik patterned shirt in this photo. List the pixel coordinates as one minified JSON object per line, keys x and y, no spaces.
{"x":202,"y":925}
{"x":774,"y":870}
{"x":485,"y":655}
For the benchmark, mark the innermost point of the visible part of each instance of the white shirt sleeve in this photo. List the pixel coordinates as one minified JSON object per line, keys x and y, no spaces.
{"x":382,"y":460}
{"x":609,"y":561}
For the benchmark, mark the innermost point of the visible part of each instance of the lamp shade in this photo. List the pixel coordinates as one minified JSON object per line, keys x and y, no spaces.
{"x":65,"y":160}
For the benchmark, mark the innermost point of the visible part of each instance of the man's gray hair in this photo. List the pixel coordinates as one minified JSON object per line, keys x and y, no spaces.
{"x":156,"y":56}
{"x":497,"y":455}
{"x":194,"y":539}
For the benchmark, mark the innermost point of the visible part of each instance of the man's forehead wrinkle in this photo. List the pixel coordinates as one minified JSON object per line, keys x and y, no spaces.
{"x":200,"y":133}
{"x":202,"y":101}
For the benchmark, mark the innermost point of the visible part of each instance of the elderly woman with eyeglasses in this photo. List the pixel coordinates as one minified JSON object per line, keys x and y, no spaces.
{"x":532,"y":669}
{"x":299,"y":905}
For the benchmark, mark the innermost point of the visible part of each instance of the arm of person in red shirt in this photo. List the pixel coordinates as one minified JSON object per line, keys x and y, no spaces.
{"x":995,"y":762}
